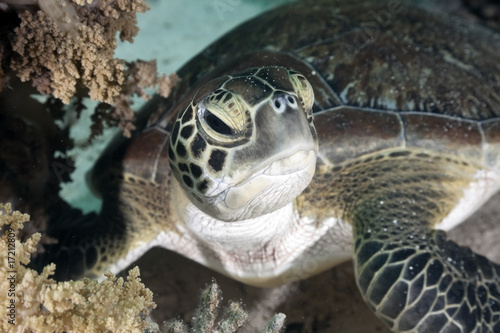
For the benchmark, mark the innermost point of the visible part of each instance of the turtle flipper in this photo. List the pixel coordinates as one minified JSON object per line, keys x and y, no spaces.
{"x":131,"y":216}
{"x":85,"y":244}
{"x":436,"y":286}
{"x":410,"y":275}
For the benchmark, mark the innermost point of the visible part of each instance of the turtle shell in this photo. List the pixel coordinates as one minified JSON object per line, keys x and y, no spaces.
{"x":387,"y":59}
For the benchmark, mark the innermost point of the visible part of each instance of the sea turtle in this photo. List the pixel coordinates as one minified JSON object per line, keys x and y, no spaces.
{"x":315,"y":133}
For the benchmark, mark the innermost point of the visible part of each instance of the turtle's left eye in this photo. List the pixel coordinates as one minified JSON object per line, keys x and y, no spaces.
{"x":217,"y":124}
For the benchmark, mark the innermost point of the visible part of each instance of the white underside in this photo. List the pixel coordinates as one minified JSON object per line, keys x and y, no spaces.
{"x":280,"y":247}
{"x":274,"y":249}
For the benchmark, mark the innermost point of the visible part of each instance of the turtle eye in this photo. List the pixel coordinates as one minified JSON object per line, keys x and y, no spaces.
{"x":217,"y":124}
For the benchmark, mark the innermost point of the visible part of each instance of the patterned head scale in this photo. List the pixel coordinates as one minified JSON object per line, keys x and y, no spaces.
{"x":246,"y":144}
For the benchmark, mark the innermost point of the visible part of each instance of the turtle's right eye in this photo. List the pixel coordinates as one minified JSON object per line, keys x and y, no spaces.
{"x":223,"y":116}
{"x":217,"y":124}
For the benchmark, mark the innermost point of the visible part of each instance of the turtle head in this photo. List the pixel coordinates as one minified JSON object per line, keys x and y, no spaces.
{"x":246,"y":144}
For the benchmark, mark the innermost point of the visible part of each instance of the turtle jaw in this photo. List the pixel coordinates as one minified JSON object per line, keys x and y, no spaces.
{"x":268,"y":190}
{"x":299,"y":162}
{"x":285,"y":141}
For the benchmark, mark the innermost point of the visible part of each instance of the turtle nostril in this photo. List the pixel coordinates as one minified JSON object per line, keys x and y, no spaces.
{"x":279,"y":104}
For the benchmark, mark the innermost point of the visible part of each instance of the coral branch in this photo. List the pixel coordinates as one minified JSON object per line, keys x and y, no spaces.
{"x":232,"y":320}
{"x":37,"y":303}
{"x":63,"y":44}
{"x":64,"y":47}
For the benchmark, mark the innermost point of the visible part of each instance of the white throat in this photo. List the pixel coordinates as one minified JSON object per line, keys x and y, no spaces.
{"x":272,"y":249}
{"x":236,"y":237}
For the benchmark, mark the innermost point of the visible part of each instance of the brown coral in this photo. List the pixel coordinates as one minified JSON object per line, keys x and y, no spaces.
{"x":140,"y":76}
{"x":66,"y":48}
{"x":57,"y":49}
{"x":36,"y":303}
{"x":208,"y":320}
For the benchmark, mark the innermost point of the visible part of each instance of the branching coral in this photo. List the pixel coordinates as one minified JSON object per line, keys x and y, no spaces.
{"x":60,"y":44}
{"x":140,"y":75}
{"x":64,"y":47}
{"x":233,"y":318}
{"x":36,"y":303}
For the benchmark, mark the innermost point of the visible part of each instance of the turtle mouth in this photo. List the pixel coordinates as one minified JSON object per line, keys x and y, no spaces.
{"x":275,"y":186}
{"x":290,"y":164}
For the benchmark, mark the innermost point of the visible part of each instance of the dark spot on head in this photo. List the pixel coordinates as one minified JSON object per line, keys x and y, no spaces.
{"x":196,"y":171}
{"x":227,"y":97}
{"x":198,"y":146}
{"x":175,"y":131}
{"x":181,"y":150}
{"x":171,"y":154}
{"x":183,"y":167}
{"x":187,"y":131}
{"x":217,"y":159}
{"x":188,"y":181}
{"x":203,"y":186}
{"x":131,"y":179}
{"x":188,"y":115}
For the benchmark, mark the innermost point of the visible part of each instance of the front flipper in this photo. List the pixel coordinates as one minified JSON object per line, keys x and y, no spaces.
{"x":417,"y":281}
{"x":409,"y":274}
{"x":85,"y":244}
{"x":134,"y":212}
